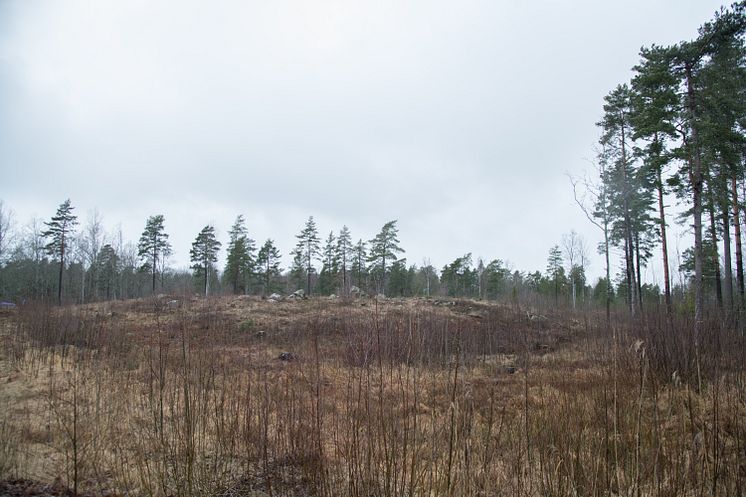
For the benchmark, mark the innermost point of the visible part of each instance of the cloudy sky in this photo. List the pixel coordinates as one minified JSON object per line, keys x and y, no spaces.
{"x":459,"y":119}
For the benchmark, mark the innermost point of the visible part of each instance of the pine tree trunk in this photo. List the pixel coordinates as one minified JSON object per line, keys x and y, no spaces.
{"x":631,"y":287}
{"x":715,"y":256}
{"x":155,"y":259}
{"x":737,"y":235}
{"x":59,"y":284}
{"x":630,"y":276}
{"x":62,"y":267}
{"x":727,"y":259}
{"x":383,"y":277}
{"x":697,"y":180}
{"x":637,"y":264}
{"x":608,"y":275}
{"x":664,"y":243}
{"x":344,"y":276}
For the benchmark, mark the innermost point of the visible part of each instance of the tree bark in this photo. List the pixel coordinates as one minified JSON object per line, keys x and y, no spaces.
{"x":155,"y":270}
{"x":664,"y":243}
{"x":727,"y":258}
{"x":308,"y":270}
{"x":637,"y":264}
{"x":608,"y":274}
{"x":344,"y":273}
{"x":59,"y":284}
{"x":696,"y":180}
{"x":207,"y":276}
{"x":737,"y":236}
{"x":630,"y":275}
{"x":715,"y":255}
{"x":631,"y":287}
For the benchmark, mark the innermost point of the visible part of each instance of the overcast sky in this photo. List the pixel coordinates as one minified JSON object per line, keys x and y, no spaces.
{"x":459,"y":119}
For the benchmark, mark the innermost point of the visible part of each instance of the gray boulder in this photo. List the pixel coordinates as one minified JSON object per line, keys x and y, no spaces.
{"x":298,"y":294}
{"x":286,"y":356}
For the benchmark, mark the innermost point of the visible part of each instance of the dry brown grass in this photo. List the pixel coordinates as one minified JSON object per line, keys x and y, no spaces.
{"x":390,"y":398}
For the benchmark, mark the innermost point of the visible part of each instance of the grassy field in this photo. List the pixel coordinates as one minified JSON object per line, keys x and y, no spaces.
{"x":240,"y":396}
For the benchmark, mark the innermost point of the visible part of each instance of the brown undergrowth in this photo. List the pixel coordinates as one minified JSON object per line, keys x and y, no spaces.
{"x":372,"y":398}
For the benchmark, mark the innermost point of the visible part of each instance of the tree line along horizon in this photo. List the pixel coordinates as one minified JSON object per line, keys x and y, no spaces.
{"x":88,"y":266}
{"x":676,"y":128}
{"x":93,"y":267}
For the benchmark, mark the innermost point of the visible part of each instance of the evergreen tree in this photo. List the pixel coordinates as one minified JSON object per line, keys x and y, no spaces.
{"x":722,"y":87}
{"x":153,"y":247}
{"x":534,"y":281}
{"x":359,"y":268}
{"x":603,"y":291}
{"x":630,"y":203}
{"x":655,"y":109}
{"x":458,"y":277}
{"x":479,"y":272}
{"x":204,"y":255}
{"x":308,"y":249}
{"x":59,"y":232}
{"x":329,"y":267}
{"x":689,"y":61}
{"x":496,"y":278}
{"x":556,"y":271}
{"x":107,"y":270}
{"x":344,"y":257}
{"x":383,"y":250}
{"x":268,"y":266}
{"x":399,"y":283}
{"x":710,"y":267}
{"x":297,"y":274}
{"x":239,"y":263}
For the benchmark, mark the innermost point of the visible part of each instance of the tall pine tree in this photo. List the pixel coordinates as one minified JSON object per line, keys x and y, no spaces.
{"x":655,"y":105}
{"x":153,"y":247}
{"x":59,"y":232}
{"x":329,"y":266}
{"x":383,"y":250}
{"x":268,"y":266}
{"x":359,"y":267}
{"x":239,"y":263}
{"x":308,"y":249}
{"x":344,"y":257}
{"x":204,"y":255}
